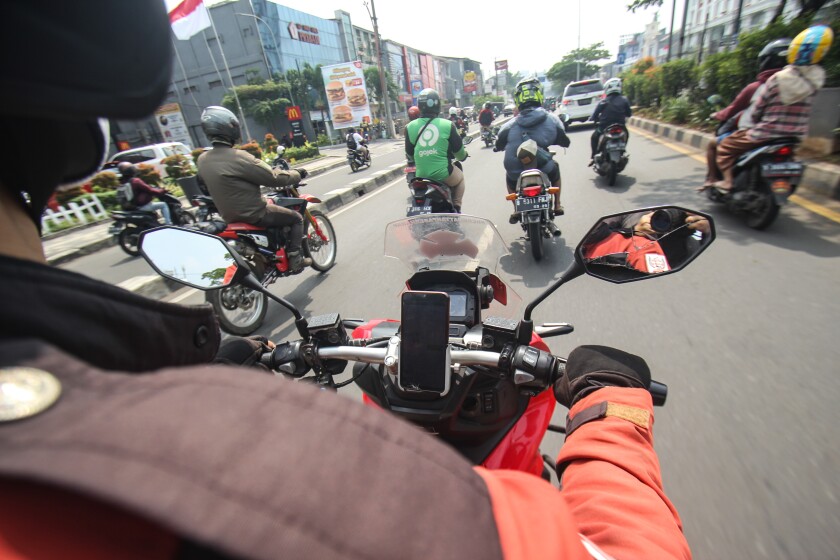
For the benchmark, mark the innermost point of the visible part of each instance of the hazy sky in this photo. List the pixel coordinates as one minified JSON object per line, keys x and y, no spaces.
{"x":530,"y":35}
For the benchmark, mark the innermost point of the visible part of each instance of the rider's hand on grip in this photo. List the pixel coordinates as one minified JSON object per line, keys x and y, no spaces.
{"x":303,"y":172}
{"x":243,"y":351}
{"x":590,"y":368}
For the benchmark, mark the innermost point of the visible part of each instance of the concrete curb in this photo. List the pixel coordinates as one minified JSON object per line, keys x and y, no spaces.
{"x":821,"y":178}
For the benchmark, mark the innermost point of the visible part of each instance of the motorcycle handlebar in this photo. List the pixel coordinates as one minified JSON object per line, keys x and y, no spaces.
{"x":658,"y":391}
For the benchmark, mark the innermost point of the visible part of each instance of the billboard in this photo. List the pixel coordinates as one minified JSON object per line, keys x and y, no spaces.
{"x":470,"y":84}
{"x":172,"y":125}
{"x":346,"y":94}
{"x":501,"y":65}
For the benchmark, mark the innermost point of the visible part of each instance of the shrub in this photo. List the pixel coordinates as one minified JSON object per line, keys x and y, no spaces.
{"x":177,"y":166}
{"x":197,"y":152}
{"x":270,"y":143}
{"x":304,"y":152}
{"x":323,"y":140}
{"x":252,"y":148}
{"x":148,"y":174}
{"x":66,"y":195}
{"x":677,"y":76}
{"x":104,"y":181}
{"x":676,"y":110}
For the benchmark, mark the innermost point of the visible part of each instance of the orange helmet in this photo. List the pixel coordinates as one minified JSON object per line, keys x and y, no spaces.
{"x":413,"y":112}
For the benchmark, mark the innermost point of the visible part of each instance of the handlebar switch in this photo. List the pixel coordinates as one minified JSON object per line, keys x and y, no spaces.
{"x":287,"y":358}
{"x":533,"y":367}
{"x":328,"y":330}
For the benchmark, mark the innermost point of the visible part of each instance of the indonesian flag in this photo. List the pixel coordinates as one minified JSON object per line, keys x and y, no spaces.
{"x":187,"y":17}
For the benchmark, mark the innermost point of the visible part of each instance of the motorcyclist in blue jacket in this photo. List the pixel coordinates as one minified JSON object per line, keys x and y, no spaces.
{"x":532,"y":123}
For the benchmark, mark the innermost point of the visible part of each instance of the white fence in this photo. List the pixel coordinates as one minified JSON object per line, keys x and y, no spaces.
{"x":89,"y":209}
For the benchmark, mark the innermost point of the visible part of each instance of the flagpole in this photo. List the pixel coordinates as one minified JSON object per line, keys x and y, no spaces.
{"x":227,"y":69}
{"x":178,"y":93}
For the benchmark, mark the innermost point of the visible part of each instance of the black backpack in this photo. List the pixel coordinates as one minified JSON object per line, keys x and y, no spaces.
{"x":351,"y":142}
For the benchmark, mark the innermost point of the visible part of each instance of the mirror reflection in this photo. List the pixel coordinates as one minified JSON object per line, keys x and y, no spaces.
{"x":641,"y":244}
{"x":192,"y":258}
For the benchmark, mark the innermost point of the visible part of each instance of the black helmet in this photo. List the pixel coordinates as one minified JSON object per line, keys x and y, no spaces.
{"x":773,"y":55}
{"x":67,"y":102}
{"x":429,"y":102}
{"x":127,"y":170}
{"x":220,"y":125}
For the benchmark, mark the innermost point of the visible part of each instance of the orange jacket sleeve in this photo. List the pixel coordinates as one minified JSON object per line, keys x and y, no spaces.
{"x":613,"y":484}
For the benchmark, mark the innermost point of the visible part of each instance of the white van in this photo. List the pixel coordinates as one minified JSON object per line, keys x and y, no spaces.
{"x":152,"y":155}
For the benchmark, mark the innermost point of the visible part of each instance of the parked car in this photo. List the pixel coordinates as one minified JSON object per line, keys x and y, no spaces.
{"x":509,"y":109}
{"x":151,"y":155}
{"x":580,"y":99}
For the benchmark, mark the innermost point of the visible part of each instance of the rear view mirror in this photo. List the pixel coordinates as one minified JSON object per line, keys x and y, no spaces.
{"x":644,"y":243}
{"x":196,"y":259}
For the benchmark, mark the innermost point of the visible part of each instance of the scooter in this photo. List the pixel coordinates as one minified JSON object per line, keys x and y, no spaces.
{"x":611,"y":158}
{"x":427,"y":195}
{"x":533,"y":200}
{"x":129,"y":224}
{"x":356,"y":160}
{"x":461,"y":363}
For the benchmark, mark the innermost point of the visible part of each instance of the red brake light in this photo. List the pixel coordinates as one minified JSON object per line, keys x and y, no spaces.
{"x":784,"y":151}
{"x":615,"y":130}
{"x":409,"y":170}
{"x":603,"y":96}
{"x":532,"y":191}
{"x":566,"y":102}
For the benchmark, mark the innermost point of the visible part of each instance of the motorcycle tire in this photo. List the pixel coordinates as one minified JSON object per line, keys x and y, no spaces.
{"x":762,"y":219}
{"x":353,"y":166}
{"x":321,"y":252}
{"x":186,"y":219}
{"x":240,"y":311}
{"x":612,"y":173}
{"x":535,"y":235}
{"x":129,"y":240}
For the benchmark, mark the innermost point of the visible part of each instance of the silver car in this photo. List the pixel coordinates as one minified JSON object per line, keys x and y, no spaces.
{"x":580,"y":99}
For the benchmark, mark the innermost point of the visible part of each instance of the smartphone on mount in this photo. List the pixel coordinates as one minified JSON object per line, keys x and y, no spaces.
{"x":424,"y":342}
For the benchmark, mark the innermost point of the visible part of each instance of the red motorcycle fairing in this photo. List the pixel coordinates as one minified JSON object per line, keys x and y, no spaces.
{"x":520,"y":448}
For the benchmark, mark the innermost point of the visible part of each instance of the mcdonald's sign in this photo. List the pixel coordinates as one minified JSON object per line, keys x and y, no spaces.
{"x":293,"y":113}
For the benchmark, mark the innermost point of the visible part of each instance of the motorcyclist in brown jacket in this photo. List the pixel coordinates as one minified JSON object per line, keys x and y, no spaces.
{"x":118,"y":439}
{"x":234,"y":177}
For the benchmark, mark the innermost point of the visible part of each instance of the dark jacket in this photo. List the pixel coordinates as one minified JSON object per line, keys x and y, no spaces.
{"x":615,"y":109}
{"x":742,"y":100}
{"x":485,"y":117}
{"x":208,"y":461}
{"x":234,"y":177}
{"x":143,"y":192}
{"x":535,"y":124}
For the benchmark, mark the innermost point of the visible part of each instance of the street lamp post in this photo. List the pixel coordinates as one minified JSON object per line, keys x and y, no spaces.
{"x":382,"y":81}
{"x":276,"y":50}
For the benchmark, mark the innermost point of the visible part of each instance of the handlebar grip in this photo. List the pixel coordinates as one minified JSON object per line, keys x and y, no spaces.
{"x":659,"y":392}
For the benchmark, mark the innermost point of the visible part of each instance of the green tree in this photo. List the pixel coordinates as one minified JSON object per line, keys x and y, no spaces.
{"x":511,"y":80}
{"x":264,"y":102}
{"x":374,"y":87}
{"x":566,"y":70}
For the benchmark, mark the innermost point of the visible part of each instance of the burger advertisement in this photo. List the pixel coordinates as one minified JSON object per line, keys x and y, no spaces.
{"x":346,"y":94}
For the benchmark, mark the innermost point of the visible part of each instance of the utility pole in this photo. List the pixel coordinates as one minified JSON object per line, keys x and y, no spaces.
{"x":671,"y":34}
{"x":738,"y":21}
{"x":389,"y":121}
{"x":682,"y":31}
{"x":577,"y":74}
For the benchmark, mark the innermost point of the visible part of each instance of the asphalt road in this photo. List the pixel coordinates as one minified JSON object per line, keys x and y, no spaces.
{"x":745,"y":337}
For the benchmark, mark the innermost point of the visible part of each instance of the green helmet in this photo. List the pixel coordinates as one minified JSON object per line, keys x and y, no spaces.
{"x":429,"y":102}
{"x":528,"y":93}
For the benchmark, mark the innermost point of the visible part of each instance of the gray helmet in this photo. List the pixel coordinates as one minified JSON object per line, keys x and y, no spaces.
{"x":429,"y":102}
{"x":127,"y":170}
{"x":773,"y":55}
{"x":220,"y":125}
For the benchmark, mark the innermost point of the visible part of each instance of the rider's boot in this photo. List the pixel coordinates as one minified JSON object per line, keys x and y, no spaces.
{"x":298,"y":262}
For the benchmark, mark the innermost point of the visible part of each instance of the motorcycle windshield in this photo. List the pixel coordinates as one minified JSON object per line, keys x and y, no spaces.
{"x":451,"y":242}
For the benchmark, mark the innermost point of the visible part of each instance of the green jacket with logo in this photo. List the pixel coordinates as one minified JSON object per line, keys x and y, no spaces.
{"x":433,"y":152}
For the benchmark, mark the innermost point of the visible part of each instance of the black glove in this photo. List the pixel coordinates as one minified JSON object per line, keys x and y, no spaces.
{"x":591,"y":367}
{"x":242,"y":351}
{"x":303,"y":172}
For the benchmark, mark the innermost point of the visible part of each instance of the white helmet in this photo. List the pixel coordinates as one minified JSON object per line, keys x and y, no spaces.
{"x":453,"y":111}
{"x":612,"y":86}
{"x":281,"y":149}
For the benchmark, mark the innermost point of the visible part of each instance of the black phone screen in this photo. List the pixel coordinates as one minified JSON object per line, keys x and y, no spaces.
{"x":424,"y":338}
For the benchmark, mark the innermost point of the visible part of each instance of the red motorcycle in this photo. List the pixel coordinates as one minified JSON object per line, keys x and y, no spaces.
{"x":240,"y":309}
{"x":459,"y":363}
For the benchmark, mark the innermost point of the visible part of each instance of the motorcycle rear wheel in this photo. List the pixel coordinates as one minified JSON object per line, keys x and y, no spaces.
{"x":535,"y":235}
{"x":761,"y":219}
{"x":240,"y":311}
{"x":612,"y":173}
{"x":321,"y":252}
{"x":187,"y":219}
{"x":129,"y":239}
{"x":353,"y":166}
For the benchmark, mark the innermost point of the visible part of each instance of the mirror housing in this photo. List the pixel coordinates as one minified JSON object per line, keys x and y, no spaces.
{"x":644,"y":243}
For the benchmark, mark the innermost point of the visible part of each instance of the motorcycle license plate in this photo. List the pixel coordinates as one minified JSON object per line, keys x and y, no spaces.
{"x":615,"y":145}
{"x":418,"y":210}
{"x":528,"y":203}
{"x":786,"y":169}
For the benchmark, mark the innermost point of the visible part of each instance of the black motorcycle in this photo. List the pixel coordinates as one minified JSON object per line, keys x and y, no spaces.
{"x":129,"y":224}
{"x":763,"y":180}
{"x":357,"y":160}
{"x":533,"y":203}
{"x":429,"y":196}
{"x":611,"y":157}
{"x":488,"y":136}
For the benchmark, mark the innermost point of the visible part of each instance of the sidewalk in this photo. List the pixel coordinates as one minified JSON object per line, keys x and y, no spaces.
{"x":820,"y":178}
